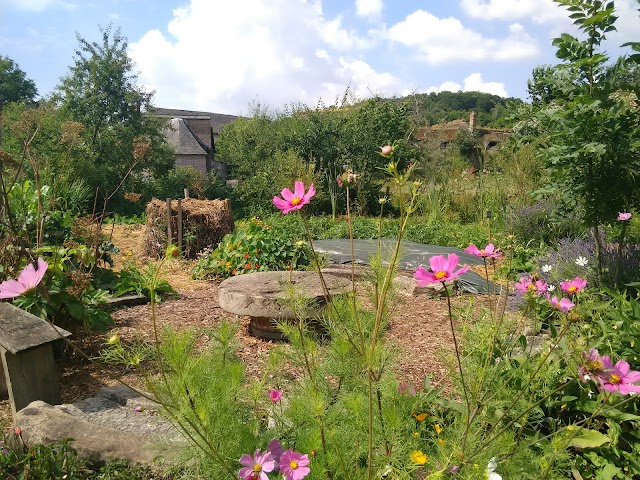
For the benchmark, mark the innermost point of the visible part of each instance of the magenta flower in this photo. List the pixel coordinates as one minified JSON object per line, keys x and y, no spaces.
{"x":275,"y":448}
{"x":564,"y":304}
{"x":294,"y":200}
{"x":294,"y":465}
{"x":528,"y":285}
{"x":624,"y":216}
{"x":275,"y":395}
{"x":256,"y":467}
{"x":28,"y":279}
{"x":487,"y":252}
{"x":619,"y":377}
{"x":441,"y":270}
{"x":339,"y":180}
{"x":573,"y":286}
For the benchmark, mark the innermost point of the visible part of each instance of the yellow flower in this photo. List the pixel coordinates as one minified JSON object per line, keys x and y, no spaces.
{"x":114,"y":339}
{"x":442,"y":442}
{"x":438,"y":428}
{"x":418,"y":457}
{"x":420,"y":417}
{"x":415,"y":434}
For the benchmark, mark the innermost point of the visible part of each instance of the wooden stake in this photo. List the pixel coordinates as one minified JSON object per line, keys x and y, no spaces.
{"x":169,"y":239}
{"x":180,"y":224}
{"x":186,"y":193}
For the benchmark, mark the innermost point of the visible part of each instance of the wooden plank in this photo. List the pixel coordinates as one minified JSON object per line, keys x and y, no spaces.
{"x":20,"y":330}
{"x":186,"y":193}
{"x":30,"y":375}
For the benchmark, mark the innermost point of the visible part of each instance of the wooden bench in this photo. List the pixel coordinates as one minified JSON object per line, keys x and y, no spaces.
{"x":28,"y":368}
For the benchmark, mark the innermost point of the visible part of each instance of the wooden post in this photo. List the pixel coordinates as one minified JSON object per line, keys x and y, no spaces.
{"x":186,"y":193}
{"x":28,"y":367}
{"x":180,"y":225}
{"x":169,"y":239}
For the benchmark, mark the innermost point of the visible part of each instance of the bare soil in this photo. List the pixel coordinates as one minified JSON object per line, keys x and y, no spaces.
{"x":419,"y":329}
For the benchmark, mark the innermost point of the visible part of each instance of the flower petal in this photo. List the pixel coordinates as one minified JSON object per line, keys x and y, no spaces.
{"x":310,"y":193}
{"x":287,"y":194}
{"x":11,"y":289}
{"x":298,"y":189}
{"x":246,"y":460}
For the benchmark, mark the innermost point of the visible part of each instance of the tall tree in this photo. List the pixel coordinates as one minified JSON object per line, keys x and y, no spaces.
{"x":101,"y":92}
{"x":14,"y":84}
{"x":591,"y":125}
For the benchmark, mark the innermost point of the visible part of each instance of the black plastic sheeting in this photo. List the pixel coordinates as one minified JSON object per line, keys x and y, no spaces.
{"x":412,"y":255}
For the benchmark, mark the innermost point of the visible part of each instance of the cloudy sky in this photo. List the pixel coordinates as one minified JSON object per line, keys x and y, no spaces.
{"x":223,"y":56}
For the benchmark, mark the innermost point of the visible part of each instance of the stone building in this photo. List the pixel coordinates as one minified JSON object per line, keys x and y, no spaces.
{"x":193,"y":135}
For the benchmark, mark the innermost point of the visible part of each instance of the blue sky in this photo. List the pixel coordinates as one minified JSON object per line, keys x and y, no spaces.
{"x":222,"y":56}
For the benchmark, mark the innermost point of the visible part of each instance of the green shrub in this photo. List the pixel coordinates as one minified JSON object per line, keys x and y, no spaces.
{"x":255,"y":247}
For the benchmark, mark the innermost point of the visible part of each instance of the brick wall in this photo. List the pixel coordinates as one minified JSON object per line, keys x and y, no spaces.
{"x":199,"y":162}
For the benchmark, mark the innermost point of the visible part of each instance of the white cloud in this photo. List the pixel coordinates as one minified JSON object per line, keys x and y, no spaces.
{"x":446,"y":40}
{"x":628,"y":23}
{"x":369,"y":8}
{"x":540,"y":11}
{"x":472,"y":83}
{"x":272,"y":51}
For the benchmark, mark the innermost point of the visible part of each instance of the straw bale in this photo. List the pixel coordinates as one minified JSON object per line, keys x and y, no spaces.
{"x":204,"y":223}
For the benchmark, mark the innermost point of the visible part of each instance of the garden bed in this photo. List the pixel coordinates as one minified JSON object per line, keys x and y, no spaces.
{"x":419,"y":329}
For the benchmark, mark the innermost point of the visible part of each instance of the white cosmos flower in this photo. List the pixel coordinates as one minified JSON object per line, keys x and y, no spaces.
{"x":551,"y":288}
{"x":491,"y":470}
{"x":546,"y":268}
{"x":582,"y":262}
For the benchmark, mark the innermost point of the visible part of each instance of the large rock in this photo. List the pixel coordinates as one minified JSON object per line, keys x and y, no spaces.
{"x":104,"y":427}
{"x":264,"y":294}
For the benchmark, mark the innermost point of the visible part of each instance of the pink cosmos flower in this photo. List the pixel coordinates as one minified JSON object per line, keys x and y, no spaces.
{"x":275,"y":395}
{"x":442,"y":270}
{"x":489,"y":251}
{"x":339,"y":181}
{"x":564,"y":304}
{"x":294,"y":200}
{"x":528,"y":285}
{"x":294,"y":465}
{"x":275,"y":448}
{"x":28,"y":279}
{"x":619,"y":377}
{"x":256,"y":467}
{"x":624,"y":216}
{"x":573,"y":286}
{"x":386,"y":150}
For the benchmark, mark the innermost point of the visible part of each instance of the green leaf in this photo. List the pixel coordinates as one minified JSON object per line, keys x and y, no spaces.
{"x":589,"y":439}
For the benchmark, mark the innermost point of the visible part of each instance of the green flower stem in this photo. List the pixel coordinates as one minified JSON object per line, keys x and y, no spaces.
{"x":619,"y":259}
{"x":458,"y":359}
{"x":353,"y":274}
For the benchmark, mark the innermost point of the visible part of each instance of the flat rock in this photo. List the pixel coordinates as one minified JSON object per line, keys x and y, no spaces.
{"x":264,"y":294}
{"x":105,"y":427}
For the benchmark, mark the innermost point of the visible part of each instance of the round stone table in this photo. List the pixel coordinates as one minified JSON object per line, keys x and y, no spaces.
{"x":263,"y":297}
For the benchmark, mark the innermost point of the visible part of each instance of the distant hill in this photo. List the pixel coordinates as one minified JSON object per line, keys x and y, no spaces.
{"x":433,"y":108}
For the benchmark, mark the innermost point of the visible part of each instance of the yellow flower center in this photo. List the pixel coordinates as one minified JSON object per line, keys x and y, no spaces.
{"x":440,"y":275}
{"x":572,"y":289}
{"x":293,"y":464}
{"x":296,"y":201}
{"x":257,"y":467}
{"x":596,"y":365}
{"x":531,"y":286}
{"x":615,"y":379}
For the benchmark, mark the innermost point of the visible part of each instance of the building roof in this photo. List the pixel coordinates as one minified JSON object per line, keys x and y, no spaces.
{"x":217,"y":120}
{"x":179,"y":135}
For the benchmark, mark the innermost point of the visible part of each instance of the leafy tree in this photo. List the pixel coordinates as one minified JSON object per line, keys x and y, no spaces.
{"x":101,"y":93}
{"x":14,"y":84}
{"x":591,"y":128}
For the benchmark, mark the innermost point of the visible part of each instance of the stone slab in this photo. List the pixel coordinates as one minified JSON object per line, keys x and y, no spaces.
{"x":263,"y":294}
